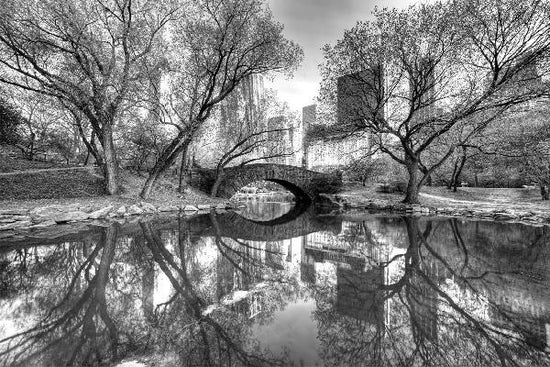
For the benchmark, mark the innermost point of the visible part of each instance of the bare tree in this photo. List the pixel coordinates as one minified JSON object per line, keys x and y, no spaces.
{"x":219,"y":45}
{"x":88,"y":54}
{"x":435,"y":71}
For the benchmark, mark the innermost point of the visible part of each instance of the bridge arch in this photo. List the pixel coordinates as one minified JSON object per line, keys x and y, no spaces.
{"x":306,"y":185}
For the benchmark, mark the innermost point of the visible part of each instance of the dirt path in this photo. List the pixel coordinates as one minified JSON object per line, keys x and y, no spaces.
{"x":456,"y":201}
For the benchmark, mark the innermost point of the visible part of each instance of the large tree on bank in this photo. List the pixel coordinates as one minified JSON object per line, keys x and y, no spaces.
{"x":433,"y":72}
{"x":89,"y":54}
{"x":214,"y":47}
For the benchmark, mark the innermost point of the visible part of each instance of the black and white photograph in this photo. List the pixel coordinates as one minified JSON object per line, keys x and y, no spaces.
{"x":307,"y":183}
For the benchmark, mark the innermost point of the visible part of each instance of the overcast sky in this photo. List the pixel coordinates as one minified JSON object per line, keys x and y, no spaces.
{"x":312,"y":24}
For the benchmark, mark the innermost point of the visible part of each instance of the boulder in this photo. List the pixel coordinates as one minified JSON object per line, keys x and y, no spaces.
{"x":190,"y":208}
{"x":59,"y":215}
{"x":101,"y":213}
{"x":44,"y":213}
{"x":120,"y":212}
{"x":69,"y":217}
{"x":168,"y":208}
{"x":18,"y":224}
{"x":44,"y":224}
{"x":134,"y":210}
{"x":147,"y":207}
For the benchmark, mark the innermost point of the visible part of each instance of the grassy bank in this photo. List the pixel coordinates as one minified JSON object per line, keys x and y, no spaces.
{"x":467,"y":201}
{"x":82,"y":188}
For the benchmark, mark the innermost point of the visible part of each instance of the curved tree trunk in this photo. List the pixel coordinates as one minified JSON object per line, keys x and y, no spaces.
{"x":167,"y":158}
{"x":216,"y":186}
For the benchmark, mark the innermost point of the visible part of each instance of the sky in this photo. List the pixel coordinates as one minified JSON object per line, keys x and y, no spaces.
{"x":312,"y":24}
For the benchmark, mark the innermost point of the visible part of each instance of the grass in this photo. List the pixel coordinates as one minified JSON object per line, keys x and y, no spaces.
{"x":50,"y":185}
{"x":82,"y":188}
{"x":520,"y":199}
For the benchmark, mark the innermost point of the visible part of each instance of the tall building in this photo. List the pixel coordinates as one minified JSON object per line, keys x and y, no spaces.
{"x":422,"y":91}
{"x":309,"y":118}
{"x":360,"y":97}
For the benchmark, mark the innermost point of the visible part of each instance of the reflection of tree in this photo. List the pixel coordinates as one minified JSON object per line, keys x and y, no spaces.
{"x":79,"y":323}
{"x":436,"y":313}
{"x":208,"y":340}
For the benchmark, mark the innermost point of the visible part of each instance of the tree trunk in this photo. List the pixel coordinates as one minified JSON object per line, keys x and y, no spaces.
{"x":544,"y":192}
{"x":413,"y":186}
{"x":185,"y":168}
{"x":459,"y":171}
{"x":216,"y":186}
{"x":429,"y":180}
{"x":150,"y":183}
{"x":110,"y":166}
{"x":453,"y":175}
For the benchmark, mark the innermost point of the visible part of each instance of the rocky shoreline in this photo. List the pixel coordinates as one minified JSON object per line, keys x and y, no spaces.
{"x":346,"y":203}
{"x":14,"y":221}
{"x":18,"y":221}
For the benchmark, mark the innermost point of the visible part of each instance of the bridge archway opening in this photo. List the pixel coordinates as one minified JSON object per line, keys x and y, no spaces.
{"x":269,"y":200}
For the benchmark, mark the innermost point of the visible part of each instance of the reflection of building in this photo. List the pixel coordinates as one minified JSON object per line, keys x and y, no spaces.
{"x":359,"y":295}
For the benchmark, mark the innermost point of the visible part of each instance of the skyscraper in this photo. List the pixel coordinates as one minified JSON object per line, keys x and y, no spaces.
{"x":360,"y":97}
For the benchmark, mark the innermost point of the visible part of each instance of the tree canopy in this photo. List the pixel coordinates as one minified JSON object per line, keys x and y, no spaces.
{"x":443,"y":70}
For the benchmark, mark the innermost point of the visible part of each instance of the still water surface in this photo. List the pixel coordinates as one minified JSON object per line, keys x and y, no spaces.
{"x":270,"y":289}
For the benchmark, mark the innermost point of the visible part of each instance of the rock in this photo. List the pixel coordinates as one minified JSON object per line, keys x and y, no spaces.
{"x":44,"y":213}
{"x":56,"y":214}
{"x":18,"y":224}
{"x":69,"y":217}
{"x":134,"y":210}
{"x":120,"y":212}
{"x":190,"y":208}
{"x":101,"y":213}
{"x":10,"y":212}
{"x":147,"y":207}
{"x":504,"y":216}
{"x":44,"y":224}
{"x":168,"y":208}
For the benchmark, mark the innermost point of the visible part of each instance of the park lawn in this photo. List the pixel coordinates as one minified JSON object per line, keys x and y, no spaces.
{"x":520,"y":199}
{"x":11,"y":164}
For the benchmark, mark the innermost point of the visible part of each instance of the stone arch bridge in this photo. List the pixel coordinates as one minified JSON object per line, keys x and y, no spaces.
{"x":303,"y":183}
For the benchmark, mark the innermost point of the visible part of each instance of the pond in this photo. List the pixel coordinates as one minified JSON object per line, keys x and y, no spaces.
{"x":301,"y":289}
